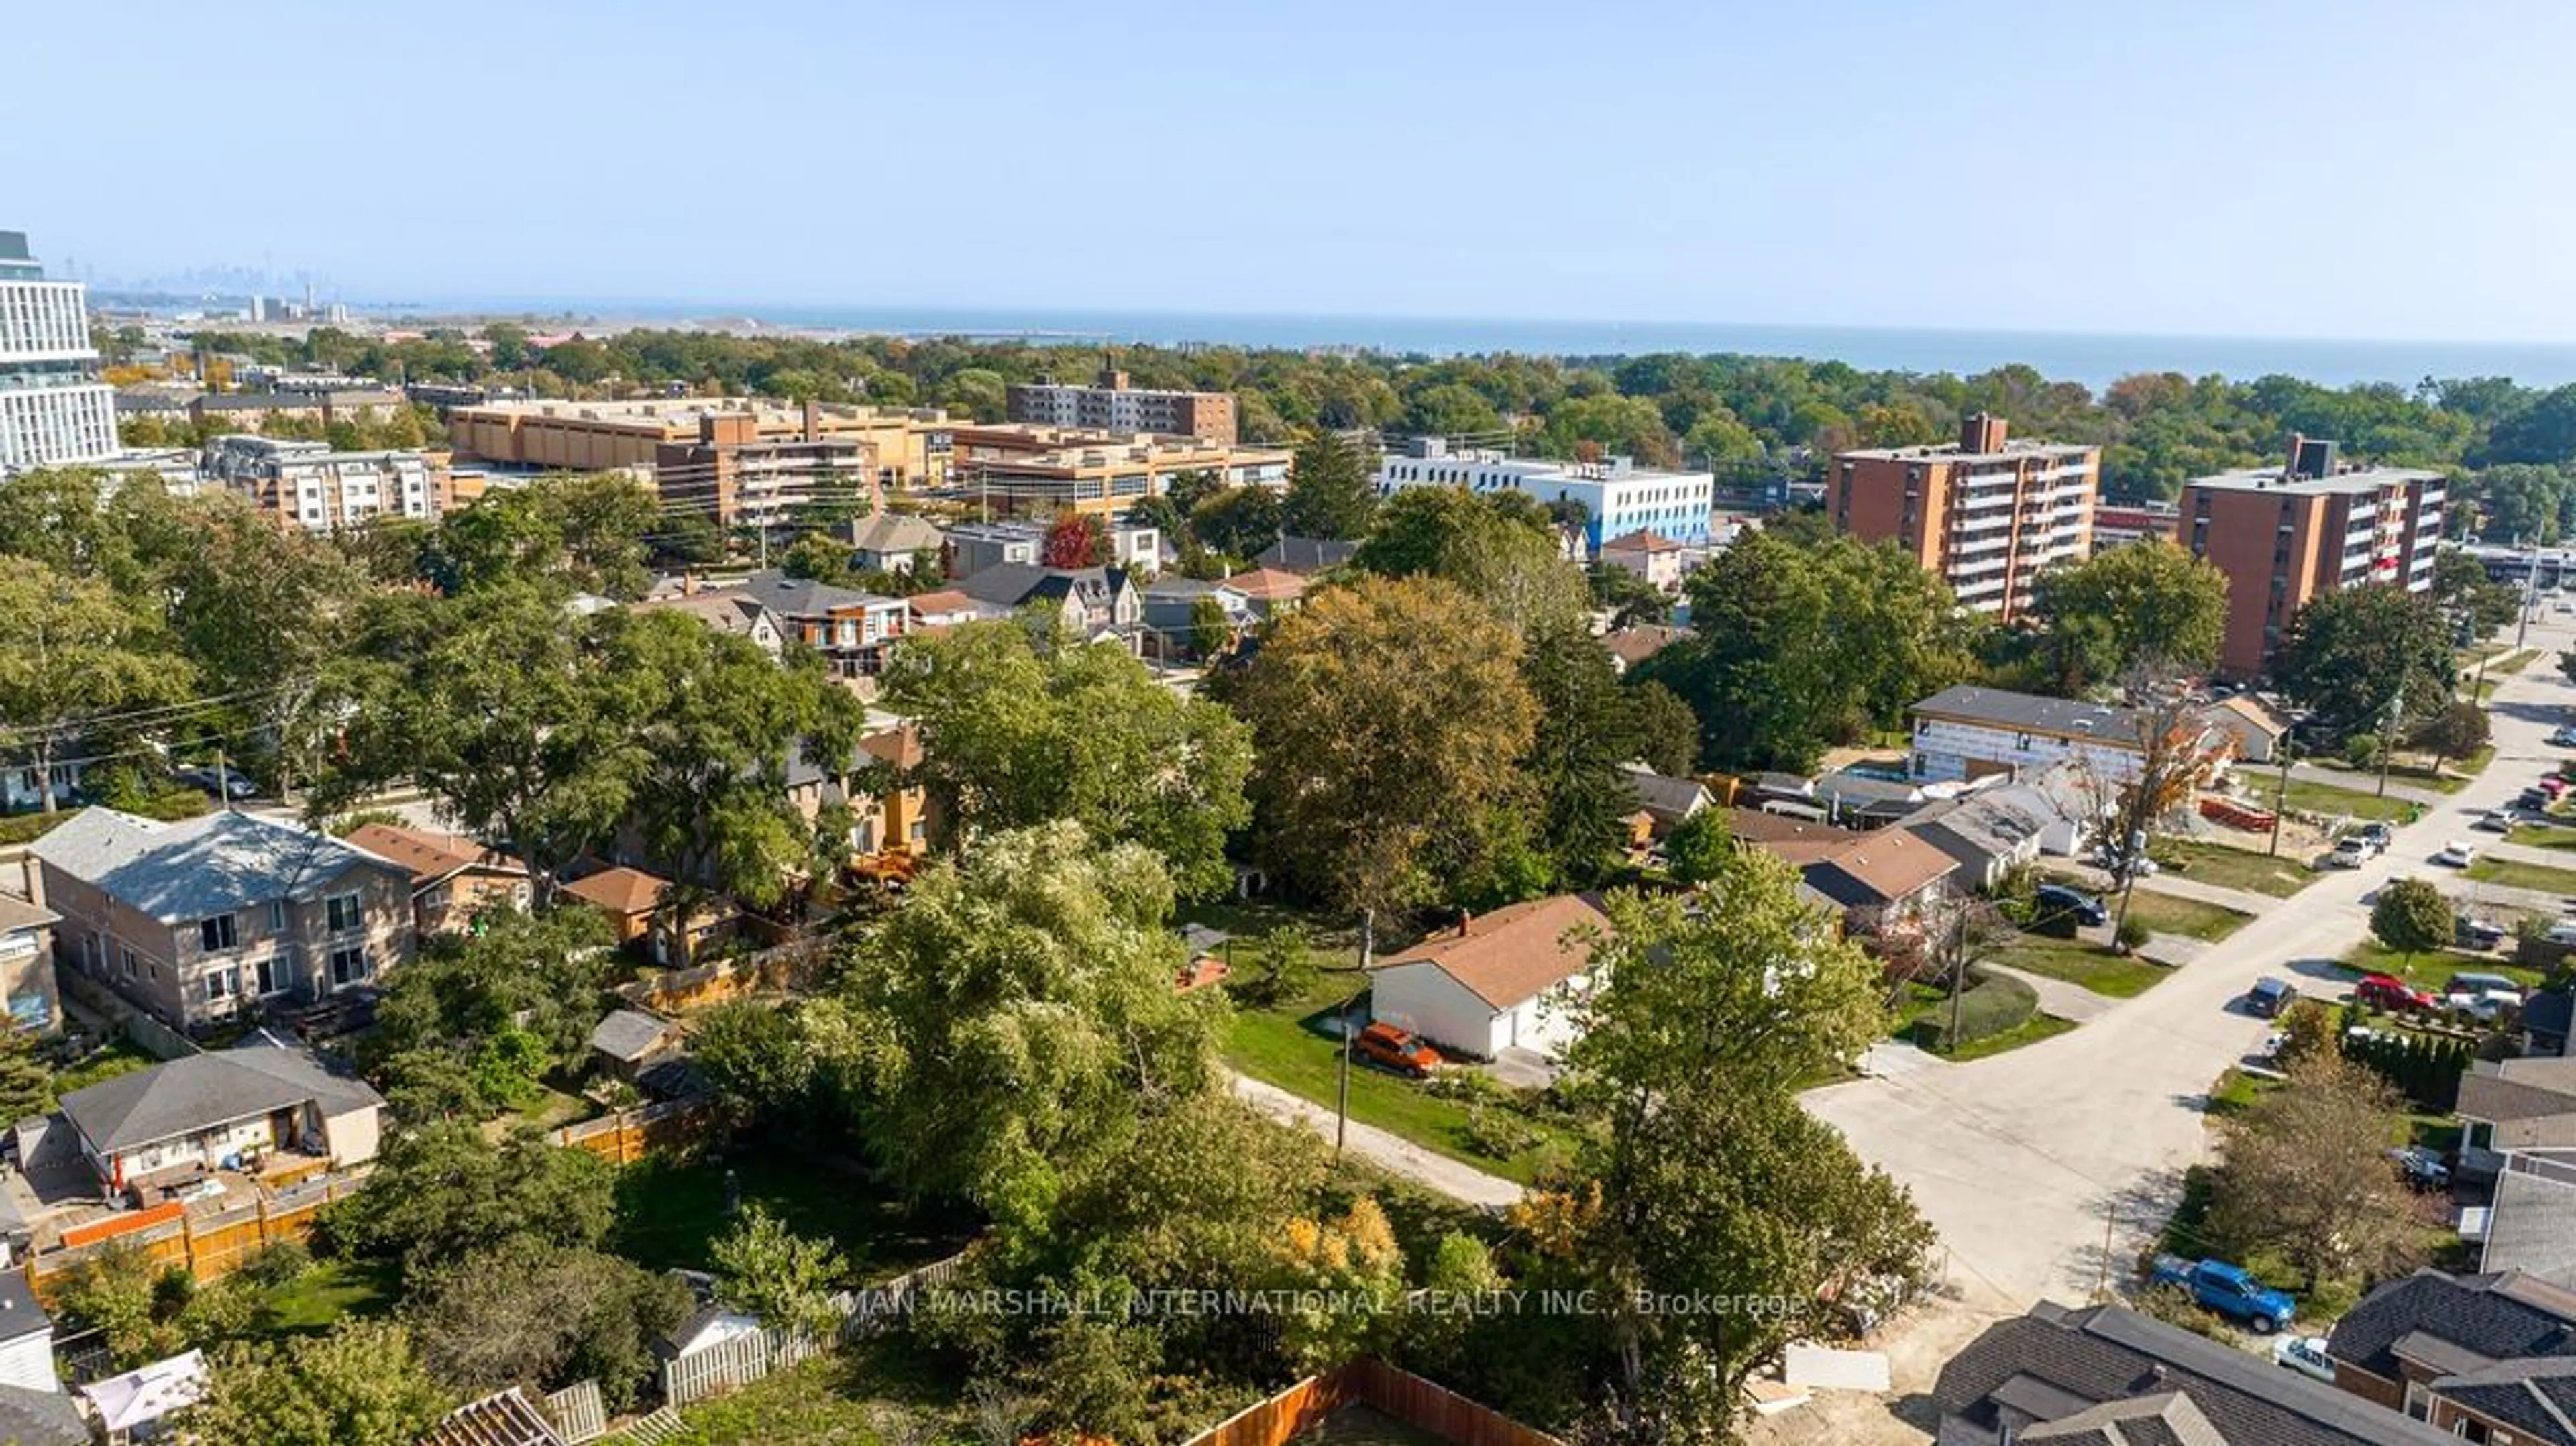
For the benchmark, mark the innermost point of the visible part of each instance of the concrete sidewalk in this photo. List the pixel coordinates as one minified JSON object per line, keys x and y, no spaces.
{"x":2243,"y":901}
{"x":1388,"y":1151}
{"x":2071,"y":1002}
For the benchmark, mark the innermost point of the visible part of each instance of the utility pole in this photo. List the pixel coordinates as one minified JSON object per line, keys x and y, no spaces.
{"x":2530,"y":593}
{"x":2388,"y":735}
{"x":223,"y":779}
{"x":2281,"y":800}
{"x":1350,"y":1035}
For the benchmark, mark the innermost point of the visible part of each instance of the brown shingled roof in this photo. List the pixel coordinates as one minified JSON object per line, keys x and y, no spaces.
{"x":429,"y":854}
{"x":1513,"y":954}
{"x":1268,"y":584}
{"x":618,"y":890}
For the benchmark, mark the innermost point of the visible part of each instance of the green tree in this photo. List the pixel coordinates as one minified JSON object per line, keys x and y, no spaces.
{"x":1346,"y":1277}
{"x":1381,"y":710}
{"x":360,"y":1384}
{"x":72,"y":657}
{"x":1018,"y":728}
{"x":1667,"y":730}
{"x":2462,"y":590}
{"x":1588,"y":727}
{"x":1501,"y":547}
{"x":540,"y":1316}
{"x":2127,"y":607}
{"x":818,"y":556}
{"x":1707,"y":1019}
{"x":2411,"y":916}
{"x":1697,"y":851}
{"x":2354,"y":654}
{"x":783,"y":1278}
{"x":445,"y":1190}
{"x":755,"y":1058}
{"x":1279,"y":966}
{"x":2303,"y":1174}
{"x":2454,"y":730}
{"x":1211,"y":627}
{"x":1330,"y":490}
{"x":1240,"y":522}
{"x":1020,"y":1018}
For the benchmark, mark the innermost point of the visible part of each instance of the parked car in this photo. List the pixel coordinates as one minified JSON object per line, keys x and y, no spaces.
{"x":220,"y":782}
{"x":2469,"y":933}
{"x":1400,"y":1050}
{"x":2457,"y":854}
{"x":2227,"y":1289}
{"x":2565,"y":737}
{"x":2350,"y":852}
{"x":2494,"y":820}
{"x":2531,"y":800}
{"x":2380,"y":834}
{"x":2052,"y":899}
{"x":2422,"y":1168}
{"x":2387,"y":991}
{"x":2305,"y":1355}
{"x":2473,"y":982}
{"x":2270,"y":997}
{"x":2562,"y":932}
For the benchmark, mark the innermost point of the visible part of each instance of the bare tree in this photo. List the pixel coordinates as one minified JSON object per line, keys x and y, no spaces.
{"x":2305,"y":1173}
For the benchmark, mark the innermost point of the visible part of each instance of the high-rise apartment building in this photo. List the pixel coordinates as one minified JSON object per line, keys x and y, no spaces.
{"x":1109,"y":404}
{"x":2286,"y":535}
{"x":53,"y":408}
{"x":1987,"y":514}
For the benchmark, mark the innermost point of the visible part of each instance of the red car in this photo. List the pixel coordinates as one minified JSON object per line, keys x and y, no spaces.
{"x":1400,"y":1050}
{"x":2387,"y":991}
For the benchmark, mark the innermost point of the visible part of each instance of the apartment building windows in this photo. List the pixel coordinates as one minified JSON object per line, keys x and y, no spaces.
{"x":342,"y":913}
{"x":219,"y":932}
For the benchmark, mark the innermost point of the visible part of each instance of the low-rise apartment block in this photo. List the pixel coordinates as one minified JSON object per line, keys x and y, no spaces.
{"x":1967,"y":733}
{"x":196,"y":921}
{"x":308,"y":485}
{"x":1110,"y":404}
{"x":905,"y":447}
{"x":1986,"y":514}
{"x":1048,"y":471}
{"x":2287,"y":535}
{"x":1617,"y":496}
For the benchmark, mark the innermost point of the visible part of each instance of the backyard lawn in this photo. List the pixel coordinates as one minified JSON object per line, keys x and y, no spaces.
{"x":2191,"y":918}
{"x":2515,"y":874}
{"x":668,"y":1210}
{"x":330,"y":1291}
{"x":1278,"y":1046}
{"x":2094,"y":966}
{"x":2233,"y":868}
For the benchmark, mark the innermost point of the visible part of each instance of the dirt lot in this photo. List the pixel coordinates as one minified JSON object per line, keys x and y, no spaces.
{"x":1917,"y":1344}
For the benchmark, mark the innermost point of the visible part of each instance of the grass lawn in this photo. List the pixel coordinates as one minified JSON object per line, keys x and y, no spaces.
{"x":2417,"y":775}
{"x":2029,"y":1031}
{"x":2306,"y":795}
{"x":1276,"y":1046}
{"x":2514,"y":662}
{"x":2191,"y":918}
{"x":2094,"y":966}
{"x":2515,"y":874}
{"x":884,"y":1389}
{"x":668,"y":1210}
{"x":2544,"y":835}
{"x":2433,"y":968}
{"x":330,"y":1291}
{"x":2232,"y":868}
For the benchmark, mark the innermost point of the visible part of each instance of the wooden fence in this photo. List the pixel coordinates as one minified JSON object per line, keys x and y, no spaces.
{"x":629,"y":1135}
{"x":1367,"y":1381}
{"x":704,"y":986}
{"x":577,"y":1412}
{"x":748,"y":1357}
{"x":208,"y":1247}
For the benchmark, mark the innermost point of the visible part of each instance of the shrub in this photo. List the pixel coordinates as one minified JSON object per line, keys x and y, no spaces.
{"x":1992,"y":1005}
{"x":2133,"y":934}
{"x":1496,"y":1133}
{"x":277,"y":1263}
{"x":2361,"y":750}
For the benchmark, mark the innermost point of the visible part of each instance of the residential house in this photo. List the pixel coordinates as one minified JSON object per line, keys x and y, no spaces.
{"x":2518,"y":1127}
{"x":971,"y":547}
{"x":1170,"y":613}
{"x":2476,"y":1357}
{"x":2105,"y":1375}
{"x":1498,"y":981}
{"x":22,"y":790}
{"x":1655,"y":559}
{"x":504,"y":1418}
{"x":630,"y":1041}
{"x":1668,"y":803}
{"x":854,"y":631}
{"x":197,"y":920}
{"x":631,"y":901}
{"x":1866,"y":878}
{"x":1969,"y":732}
{"x":1867,"y":795}
{"x":34,"y":1411}
{"x":1306,"y":556}
{"x":1271,"y":591}
{"x":884,"y":819}
{"x":1635,"y":643}
{"x":27,"y":955}
{"x":452,"y":877}
{"x":132,"y":1406}
{"x":229,"y":1108}
{"x":1994,"y":831}
{"x":1091,"y":600}
{"x":893,"y":541}
{"x":945,"y":608}
{"x":2256,"y":727}
{"x":729,"y":610}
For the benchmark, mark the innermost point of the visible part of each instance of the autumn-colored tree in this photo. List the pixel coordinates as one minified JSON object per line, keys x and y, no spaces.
{"x":1075,"y":540}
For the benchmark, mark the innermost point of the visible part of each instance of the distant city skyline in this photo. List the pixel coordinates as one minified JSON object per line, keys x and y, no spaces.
{"x":2302,"y":169}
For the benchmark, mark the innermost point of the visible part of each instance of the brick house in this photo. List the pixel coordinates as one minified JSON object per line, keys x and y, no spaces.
{"x":452,"y":876}
{"x":197,"y":920}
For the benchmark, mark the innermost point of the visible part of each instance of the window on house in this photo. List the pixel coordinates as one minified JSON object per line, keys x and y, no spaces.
{"x":348,"y":966}
{"x":342,"y":910}
{"x":126,"y":963}
{"x":219,"y":932}
{"x":220,"y":986}
{"x":271,"y":975}
{"x":277,"y":916}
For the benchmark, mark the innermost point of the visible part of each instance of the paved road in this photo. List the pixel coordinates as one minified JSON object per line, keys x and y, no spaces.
{"x":2352,"y":781}
{"x":2028,"y":1161}
{"x":1390,"y":1152}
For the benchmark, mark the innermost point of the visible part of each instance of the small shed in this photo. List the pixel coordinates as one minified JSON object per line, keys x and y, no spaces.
{"x":131,"y":1406}
{"x":630,"y":1041}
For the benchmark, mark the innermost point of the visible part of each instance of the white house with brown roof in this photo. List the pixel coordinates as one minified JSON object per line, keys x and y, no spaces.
{"x":1498,"y":981}
{"x":1655,"y":559}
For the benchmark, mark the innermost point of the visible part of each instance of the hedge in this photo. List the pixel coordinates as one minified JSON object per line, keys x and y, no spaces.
{"x":1993,"y":1004}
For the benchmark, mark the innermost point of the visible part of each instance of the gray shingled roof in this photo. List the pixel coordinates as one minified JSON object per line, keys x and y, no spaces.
{"x":30,"y":1417}
{"x":1306,"y":554}
{"x":216,"y":863}
{"x":21,"y":1314}
{"x":802,"y":597}
{"x":895,"y":532}
{"x":16,"y":914}
{"x":2468,"y":1311}
{"x":2167,"y":1418}
{"x":2106,"y":1353}
{"x":184,"y":1096}
{"x":628,"y":1034}
{"x":1673,"y":798}
{"x":1011,"y":584}
{"x":2537,"y":1398}
{"x":2003,"y":709}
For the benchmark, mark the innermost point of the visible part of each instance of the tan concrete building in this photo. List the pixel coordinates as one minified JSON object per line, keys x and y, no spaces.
{"x":1985,"y":513}
{"x":2289,"y":534}
{"x":1110,"y":404}
{"x":1023,"y":469}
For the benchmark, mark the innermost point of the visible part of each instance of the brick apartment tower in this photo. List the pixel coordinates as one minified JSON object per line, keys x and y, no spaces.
{"x":2289,"y":534}
{"x":1986,"y":514}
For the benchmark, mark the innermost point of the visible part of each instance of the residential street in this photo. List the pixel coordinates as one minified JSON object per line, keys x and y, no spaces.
{"x":2028,"y":1161}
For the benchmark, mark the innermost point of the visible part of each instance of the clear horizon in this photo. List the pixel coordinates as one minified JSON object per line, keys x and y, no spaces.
{"x":2008,"y":168}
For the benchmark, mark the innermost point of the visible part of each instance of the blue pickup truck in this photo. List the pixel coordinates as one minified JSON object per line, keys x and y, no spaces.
{"x":2228,"y":1290}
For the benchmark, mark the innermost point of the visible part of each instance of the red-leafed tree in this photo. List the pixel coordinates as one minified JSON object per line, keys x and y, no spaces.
{"x":1076,"y":541}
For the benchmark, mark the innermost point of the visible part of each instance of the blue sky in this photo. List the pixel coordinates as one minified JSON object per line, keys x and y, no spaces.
{"x":2288,"y":168}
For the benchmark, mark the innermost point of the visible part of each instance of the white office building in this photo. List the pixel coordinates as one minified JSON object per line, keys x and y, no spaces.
{"x":1618,"y":496}
{"x":54,"y":411}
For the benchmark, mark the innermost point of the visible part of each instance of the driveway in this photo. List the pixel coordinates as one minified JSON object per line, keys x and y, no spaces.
{"x":1388,"y":1151}
{"x":2032,"y":1162}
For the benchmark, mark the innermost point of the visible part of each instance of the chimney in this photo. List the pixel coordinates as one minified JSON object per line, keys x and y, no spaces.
{"x":1466,"y":921}
{"x":1982,"y":432}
